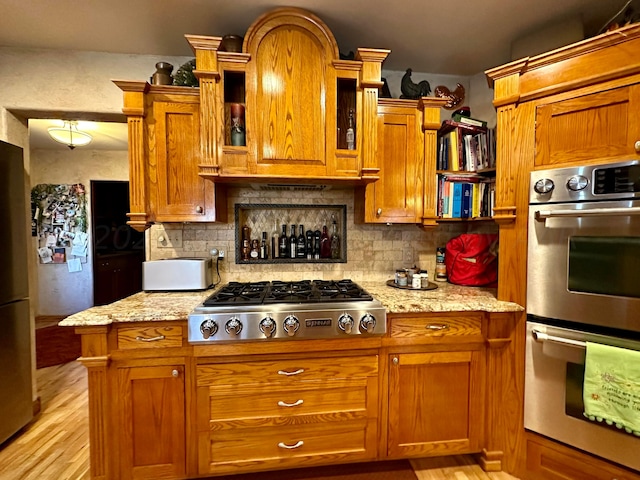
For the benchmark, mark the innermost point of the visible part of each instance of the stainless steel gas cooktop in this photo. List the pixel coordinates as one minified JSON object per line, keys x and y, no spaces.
{"x":286,"y":310}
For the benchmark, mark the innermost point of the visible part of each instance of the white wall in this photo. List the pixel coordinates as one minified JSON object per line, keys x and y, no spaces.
{"x":59,"y":291}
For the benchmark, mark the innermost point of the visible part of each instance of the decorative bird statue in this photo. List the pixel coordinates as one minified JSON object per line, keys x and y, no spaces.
{"x":454,"y":98}
{"x":412,"y":90}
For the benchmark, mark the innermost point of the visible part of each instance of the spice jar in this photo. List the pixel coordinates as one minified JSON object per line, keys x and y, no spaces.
{"x":416,"y":281}
{"x":424,"y":280}
{"x":401,"y":278}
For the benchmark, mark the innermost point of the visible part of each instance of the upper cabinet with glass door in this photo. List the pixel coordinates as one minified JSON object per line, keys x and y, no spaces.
{"x":280,"y":109}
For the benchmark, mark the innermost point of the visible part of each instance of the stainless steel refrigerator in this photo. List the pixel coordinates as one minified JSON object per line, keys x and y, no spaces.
{"x":16,"y":406}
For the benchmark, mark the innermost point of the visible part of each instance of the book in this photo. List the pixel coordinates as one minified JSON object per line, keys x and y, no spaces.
{"x":475,"y":200}
{"x":456,"y":209}
{"x":465,"y":210}
{"x":468,"y":120}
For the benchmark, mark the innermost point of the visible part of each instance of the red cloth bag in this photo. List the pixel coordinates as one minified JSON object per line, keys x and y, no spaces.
{"x":472,"y":259}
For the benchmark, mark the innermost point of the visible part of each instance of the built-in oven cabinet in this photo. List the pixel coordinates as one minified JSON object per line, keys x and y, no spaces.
{"x":290,"y":411}
{"x":436,"y":385}
{"x":599,"y":127}
{"x":548,"y":460}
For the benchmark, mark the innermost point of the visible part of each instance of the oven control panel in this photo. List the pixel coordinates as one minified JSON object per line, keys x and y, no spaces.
{"x":586,"y":183}
{"x":301,"y":323}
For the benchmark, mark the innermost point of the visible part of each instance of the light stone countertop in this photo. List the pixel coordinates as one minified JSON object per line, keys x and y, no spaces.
{"x":167,"y":306}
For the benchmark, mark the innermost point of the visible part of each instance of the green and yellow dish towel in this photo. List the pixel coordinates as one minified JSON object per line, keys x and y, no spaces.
{"x":611,"y":390}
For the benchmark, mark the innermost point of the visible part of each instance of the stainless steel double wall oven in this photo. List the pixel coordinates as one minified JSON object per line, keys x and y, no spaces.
{"x":583,"y":284}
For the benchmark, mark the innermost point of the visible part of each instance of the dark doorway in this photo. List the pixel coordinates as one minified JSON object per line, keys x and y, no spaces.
{"x":118,"y":250}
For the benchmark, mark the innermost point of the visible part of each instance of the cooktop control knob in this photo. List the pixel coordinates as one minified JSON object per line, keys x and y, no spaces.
{"x":577,"y":183}
{"x":267,"y":326}
{"x":544,"y":186}
{"x":367,"y":323}
{"x":233,"y":326}
{"x":291,"y":325}
{"x":345,"y":323}
{"x":208,"y":328}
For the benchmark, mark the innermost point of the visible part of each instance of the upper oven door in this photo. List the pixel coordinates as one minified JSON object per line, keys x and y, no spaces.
{"x":584,"y":262}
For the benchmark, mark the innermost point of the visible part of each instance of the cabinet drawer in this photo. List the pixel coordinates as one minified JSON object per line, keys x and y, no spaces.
{"x":287,"y":372}
{"x":288,"y":442}
{"x":149,"y":337}
{"x":323,"y":402}
{"x":436,"y":326}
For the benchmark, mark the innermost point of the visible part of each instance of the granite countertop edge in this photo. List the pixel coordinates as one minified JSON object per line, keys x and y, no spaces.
{"x":174,"y":306}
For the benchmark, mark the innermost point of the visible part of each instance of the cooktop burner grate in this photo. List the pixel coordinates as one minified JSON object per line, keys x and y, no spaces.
{"x":304,"y":291}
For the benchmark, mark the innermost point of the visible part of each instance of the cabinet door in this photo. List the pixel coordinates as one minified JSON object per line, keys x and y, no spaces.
{"x":397,"y":195}
{"x":150,"y":439}
{"x":435,"y":403}
{"x":602,"y":126}
{"x":181,"y":194}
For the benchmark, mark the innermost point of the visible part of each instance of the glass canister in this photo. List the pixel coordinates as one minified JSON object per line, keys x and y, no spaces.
{"x":401,"y":278}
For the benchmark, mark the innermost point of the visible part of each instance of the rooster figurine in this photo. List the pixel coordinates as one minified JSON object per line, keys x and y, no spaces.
{"x":412,"y":90}
{"x":454,"y":98}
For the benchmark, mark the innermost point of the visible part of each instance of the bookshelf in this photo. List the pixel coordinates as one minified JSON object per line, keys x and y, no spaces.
{"x":465,"y":172}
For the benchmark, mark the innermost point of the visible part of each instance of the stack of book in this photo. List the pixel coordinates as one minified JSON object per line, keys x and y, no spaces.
{"x":465,"y":147}
{"x":465,"y":196}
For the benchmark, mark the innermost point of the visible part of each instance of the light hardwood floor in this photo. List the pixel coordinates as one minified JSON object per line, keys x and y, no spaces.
{"x":56,"y":445}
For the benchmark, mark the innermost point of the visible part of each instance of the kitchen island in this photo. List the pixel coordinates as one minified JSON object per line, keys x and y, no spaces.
{"x":161,"y":407}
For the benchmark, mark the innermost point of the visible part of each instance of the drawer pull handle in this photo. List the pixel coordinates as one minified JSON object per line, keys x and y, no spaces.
{"x":294,"y":404}
{"x":298,"y":444}
{"x":297,"y":372}
{"x":436,"y":327}
{"x":152,"y":339}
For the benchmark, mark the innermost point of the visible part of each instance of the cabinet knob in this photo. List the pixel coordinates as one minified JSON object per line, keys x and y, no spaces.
{"x":199,"y":209}
{"x":379,"y":212}
{"x":637,"y":146}
{"x":395,"y":361}
{"x":175,"y":373}
{"x":161,"y":239}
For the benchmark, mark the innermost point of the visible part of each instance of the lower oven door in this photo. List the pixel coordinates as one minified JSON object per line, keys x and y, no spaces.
{"x":583,"y":263}
{"x":553,"y":393}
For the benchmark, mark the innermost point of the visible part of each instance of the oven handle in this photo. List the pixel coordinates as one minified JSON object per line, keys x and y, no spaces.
{"x":539,"y":336}
{"x":542,"y":215}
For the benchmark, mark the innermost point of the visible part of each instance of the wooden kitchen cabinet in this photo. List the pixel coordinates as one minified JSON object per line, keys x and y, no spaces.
{"x":288,"y":412}
{"x":164,"y":157}
{"x":436,"y":385}
{"x":150,"y":427}
{"x":117,"y":276}
{"x":601,"y":127}
{"x":296,"y":93}
{"x":406,"y":144}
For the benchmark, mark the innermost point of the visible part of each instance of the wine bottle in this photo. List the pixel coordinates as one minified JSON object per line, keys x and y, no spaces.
{"x":335,"y":241}
{"x":284,"y":243}
{"x":301,"y":249}
{"x":351,"y":133}
{"x":275,"y":242}
{"x":316,"y":244}
{"x":293,"y":242}
{"x":325,"y":243}
{"x":264,"y":252}
{"x":309,"y":246}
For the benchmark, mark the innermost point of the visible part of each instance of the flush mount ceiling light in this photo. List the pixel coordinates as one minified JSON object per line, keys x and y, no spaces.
{"x":69,"y":135}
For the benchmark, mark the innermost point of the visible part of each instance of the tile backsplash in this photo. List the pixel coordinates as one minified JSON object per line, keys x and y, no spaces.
{"x":374,"y":251}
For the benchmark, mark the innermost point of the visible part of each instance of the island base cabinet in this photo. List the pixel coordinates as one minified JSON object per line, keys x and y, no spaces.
{"x":150,"y":435}
{"x":286,"y":413}
{"x":435,"y":403}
